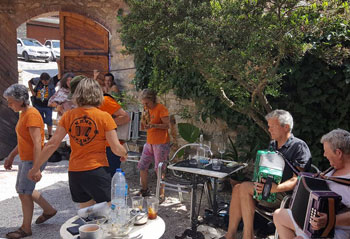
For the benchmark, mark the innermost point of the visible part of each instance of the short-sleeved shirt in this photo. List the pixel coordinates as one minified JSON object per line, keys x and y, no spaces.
{"x":29,"y":118}
{"x":86,"y":128}
{"x":109,"y":105}
{"x":155,"y":135}
{"x":43,"y":92}
{"x":296,"y":152}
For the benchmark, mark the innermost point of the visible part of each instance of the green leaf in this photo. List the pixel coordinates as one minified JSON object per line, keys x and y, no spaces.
{"x":188,"y":132}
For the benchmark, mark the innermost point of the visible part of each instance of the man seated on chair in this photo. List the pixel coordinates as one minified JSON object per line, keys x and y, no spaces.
{"x":296,"y":151}
{"x":336,"y":145}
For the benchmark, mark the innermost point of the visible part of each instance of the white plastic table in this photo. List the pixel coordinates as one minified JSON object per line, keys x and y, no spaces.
{"x":153,"y":229}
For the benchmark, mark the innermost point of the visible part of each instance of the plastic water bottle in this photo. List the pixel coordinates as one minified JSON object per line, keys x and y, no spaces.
{"x":118,"y":197}
{"x":201,"y":152}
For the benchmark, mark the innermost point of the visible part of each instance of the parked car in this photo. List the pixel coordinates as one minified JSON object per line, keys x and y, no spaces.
{"x":32,"y":49}
{"x":54,"y":46}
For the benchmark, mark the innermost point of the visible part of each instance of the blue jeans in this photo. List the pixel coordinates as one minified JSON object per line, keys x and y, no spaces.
{"x":46,"y":113}
{"x":113,"y":161}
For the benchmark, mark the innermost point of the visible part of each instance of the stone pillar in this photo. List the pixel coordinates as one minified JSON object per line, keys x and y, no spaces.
{"x":8,"y":76}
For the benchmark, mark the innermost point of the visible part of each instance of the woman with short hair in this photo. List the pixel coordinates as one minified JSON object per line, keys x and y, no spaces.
{"x":30,"y":140}
{"x":88,"y":129}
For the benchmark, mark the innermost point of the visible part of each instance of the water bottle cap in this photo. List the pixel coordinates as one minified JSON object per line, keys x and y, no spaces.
{"x":118,"y":170}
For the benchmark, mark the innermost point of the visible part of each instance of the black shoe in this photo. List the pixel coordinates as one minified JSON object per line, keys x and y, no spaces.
{"x":144,"y":192}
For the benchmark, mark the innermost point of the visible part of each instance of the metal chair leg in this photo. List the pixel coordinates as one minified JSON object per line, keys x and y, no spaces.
{"x":159,"y":178}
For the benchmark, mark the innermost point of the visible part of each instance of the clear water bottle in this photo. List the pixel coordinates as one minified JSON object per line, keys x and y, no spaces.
{"x":201,"y":152}
{"x":118,"y":197}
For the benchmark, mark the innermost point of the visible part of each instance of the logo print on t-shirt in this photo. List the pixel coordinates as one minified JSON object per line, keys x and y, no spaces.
{"x":83,"y":130}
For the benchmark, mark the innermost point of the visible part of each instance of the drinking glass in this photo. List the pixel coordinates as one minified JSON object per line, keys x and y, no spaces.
{"x":192,"y":160}
{"x":152,"y":207}
{"x":222,"y":148}
{"x":208,"y":153}
{"x":216,"y":164}
{"x":137,"y":202}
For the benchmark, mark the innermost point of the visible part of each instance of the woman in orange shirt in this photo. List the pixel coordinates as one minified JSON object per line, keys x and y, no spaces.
{"x":157,"y":146}
{"x":30,"y":140}
{"x":88,"y":129}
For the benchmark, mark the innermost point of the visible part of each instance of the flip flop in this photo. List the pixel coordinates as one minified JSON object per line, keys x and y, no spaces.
{"x":44,"y":217}
{"x":19,"y":233}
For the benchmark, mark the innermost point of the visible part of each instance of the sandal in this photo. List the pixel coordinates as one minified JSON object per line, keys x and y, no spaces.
{"x":18,"y":234}
{"x":144,"y":192}
{"x":44,"y":217}
{"x":161,"y":198}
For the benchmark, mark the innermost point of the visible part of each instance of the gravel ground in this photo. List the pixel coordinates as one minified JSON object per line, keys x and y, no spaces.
{"x":54,"y":187}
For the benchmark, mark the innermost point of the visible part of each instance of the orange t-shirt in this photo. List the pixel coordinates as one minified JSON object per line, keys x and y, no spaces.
{"x":86,"y":128}
{"x":154,"y":135}
{"x":110,"y":106}
{"x":30,"y":118}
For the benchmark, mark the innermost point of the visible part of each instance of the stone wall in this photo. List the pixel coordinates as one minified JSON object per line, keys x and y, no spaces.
{"x":22,"y":31}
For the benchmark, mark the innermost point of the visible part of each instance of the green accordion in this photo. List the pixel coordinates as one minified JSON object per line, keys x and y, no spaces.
{"x":269,"y":165}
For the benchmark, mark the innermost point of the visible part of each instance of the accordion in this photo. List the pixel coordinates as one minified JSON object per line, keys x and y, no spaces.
{"x":310,"y":196}
{"x":269,"y":165}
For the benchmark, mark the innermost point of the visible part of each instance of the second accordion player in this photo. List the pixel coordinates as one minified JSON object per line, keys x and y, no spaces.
{"x":311,"y":196}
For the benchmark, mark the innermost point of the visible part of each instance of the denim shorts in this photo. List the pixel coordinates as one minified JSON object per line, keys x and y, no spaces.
{"x":157,"y":152}
{"x":23,"y":184}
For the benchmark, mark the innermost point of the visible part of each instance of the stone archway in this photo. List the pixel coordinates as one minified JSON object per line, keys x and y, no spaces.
{"x":15,"y":12}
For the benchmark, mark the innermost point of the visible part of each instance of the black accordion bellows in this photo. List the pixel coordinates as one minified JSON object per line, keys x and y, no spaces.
{"x":310,"y":196}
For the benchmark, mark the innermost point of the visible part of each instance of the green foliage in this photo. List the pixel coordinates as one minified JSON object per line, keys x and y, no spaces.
{"x":188,"y":132}
{"x":226,"y":56}
{"x":318,"y":96}
{"x":227,"y":51}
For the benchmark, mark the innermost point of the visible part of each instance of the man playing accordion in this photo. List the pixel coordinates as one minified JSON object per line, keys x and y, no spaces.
{"x":296,"y":151}
{"x":336,"y":145}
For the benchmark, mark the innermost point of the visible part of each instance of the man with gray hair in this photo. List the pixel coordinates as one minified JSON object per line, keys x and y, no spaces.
{"x":336,"y":145}
{"x":296,"y":151}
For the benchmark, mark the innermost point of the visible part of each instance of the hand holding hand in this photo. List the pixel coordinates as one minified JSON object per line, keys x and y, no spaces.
{"x":34,"y":175}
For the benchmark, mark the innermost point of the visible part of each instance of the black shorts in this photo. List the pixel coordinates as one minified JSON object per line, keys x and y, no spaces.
{"x":93,"y":184}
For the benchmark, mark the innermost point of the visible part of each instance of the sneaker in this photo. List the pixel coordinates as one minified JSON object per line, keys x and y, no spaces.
{"x":144,"y":192}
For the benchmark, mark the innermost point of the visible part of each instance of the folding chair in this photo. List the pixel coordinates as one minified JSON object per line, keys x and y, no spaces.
{"x":174,"y":181}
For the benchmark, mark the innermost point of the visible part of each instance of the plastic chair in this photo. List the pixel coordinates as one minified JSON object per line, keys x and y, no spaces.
{"x":268,"y":213}
{"x":174,"y":181}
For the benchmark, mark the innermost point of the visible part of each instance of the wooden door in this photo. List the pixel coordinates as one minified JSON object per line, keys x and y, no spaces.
{"x":84,"y":45}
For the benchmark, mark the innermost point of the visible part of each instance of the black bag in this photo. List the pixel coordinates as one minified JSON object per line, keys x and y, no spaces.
{"x":55,"y":157}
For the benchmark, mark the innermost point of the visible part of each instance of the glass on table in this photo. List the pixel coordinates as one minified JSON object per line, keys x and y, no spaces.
{"x":216,"y":164}
{"x":137,"y":202}
{"x":192,"y":160}
{"x":222,"y":148}
{"x":152,"y":207}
